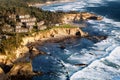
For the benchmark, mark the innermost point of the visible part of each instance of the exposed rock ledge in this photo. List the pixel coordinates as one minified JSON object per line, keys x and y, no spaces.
{"x":53,"y":33}
{"x":77,"y":17}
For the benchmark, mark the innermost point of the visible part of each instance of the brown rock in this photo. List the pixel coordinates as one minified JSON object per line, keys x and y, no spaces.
{"x":21,"y":69}
{"x":80,"y":65}
{"x":76,"y":17}
{"x":62,"y":47}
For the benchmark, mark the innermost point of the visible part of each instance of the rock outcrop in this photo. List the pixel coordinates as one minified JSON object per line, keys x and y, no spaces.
{"x":21,"y":68}
{"x":3,"y":59}
{"x":76,"y":17}
{"x":33,"y":52}
{"x":21,"y":71}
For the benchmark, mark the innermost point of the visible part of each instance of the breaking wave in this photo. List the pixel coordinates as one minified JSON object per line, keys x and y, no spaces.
{"x":83,"y":59}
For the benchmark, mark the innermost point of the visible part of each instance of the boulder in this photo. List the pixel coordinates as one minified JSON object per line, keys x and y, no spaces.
{"x":21,"y":69}
{"x":34,"y":52}
{"x":62,"y":47}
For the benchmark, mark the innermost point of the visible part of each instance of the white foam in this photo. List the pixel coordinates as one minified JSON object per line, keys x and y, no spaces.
{"x":104,"y":50}
{"x":100,"y":71}
{"x":95,"y":1}
{"x":77,"y":5}
{"x":97,"y":69}
{"x":106,"y":20}
{"x":114,"y":56}
{"x":77,"y":59}
{"x":71,"y":68}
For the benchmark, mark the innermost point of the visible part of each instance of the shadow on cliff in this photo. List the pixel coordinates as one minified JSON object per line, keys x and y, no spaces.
{"x":21,"y":68}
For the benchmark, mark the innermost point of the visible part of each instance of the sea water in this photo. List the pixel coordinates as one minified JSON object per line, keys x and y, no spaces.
{"x":101,"y":59}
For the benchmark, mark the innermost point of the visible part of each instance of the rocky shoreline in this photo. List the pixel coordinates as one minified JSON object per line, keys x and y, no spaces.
{"x":19,"y":64}
{"x":22,"y":68}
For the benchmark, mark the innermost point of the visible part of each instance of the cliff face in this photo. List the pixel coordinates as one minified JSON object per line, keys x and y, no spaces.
{"x":76,"y":17}
{"x":53,"y":33}
{"x":21,"y":68}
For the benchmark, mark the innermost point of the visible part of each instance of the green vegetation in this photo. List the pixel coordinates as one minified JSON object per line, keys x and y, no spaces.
{"x":8,"y":7}
{"x":20,"y":7}
{"x":7,"y":46}
{"x":10,"y":44}
{"x":47,"y":16}
{"x":61,"y":26}
{"x":65,"y":26}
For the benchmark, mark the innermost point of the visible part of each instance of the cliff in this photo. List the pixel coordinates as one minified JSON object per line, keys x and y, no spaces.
{"x":22,"y":54}
{"x":53,"y":33}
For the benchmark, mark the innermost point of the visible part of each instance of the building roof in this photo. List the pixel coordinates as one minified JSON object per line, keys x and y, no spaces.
{"x":24,"y":16}
{"x":40,"y":23}
{"x":27,"y":19}
{"x":20,"y":30}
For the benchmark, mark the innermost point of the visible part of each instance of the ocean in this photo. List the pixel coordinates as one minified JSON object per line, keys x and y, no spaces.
{"x":84,"y":59}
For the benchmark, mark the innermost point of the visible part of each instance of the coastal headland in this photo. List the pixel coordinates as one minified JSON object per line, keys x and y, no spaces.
{"x":19,"y":63}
